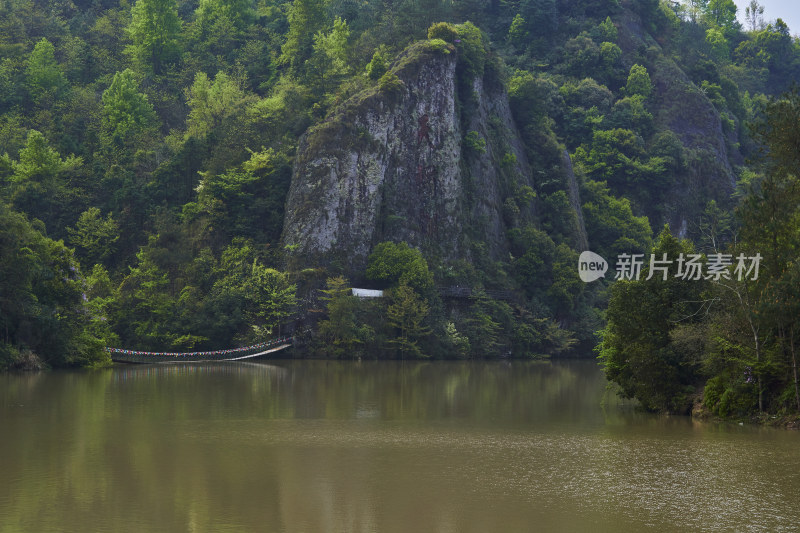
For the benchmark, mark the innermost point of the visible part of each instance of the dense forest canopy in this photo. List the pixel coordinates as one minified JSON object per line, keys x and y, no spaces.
{"x":147,"y":150}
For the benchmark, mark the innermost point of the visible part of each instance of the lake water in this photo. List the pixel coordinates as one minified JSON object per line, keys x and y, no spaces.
{"x":318,"y":446}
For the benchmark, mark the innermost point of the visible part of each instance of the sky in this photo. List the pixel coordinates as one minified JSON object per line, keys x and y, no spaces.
{"x":788,"y":10}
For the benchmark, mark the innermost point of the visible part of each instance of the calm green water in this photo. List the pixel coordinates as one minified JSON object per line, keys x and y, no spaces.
{"x":316,"y":446}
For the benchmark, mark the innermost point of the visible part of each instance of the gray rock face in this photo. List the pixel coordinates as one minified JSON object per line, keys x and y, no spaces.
{"x":575,"y":201}
{"x":391,"y":164}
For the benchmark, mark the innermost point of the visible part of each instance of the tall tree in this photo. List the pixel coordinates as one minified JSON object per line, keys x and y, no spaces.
{"x":407,"y":314}
{"x":154,"y":30}
{"x":331,"y":54}
{"x":639,"y":82}
{"x":126,"y":111}
{"x":637,"y":349}
{"x":94,"y":237}
{"x":237,"y":13}
{"x":39,"y":182}
{"x":340,"y":333}
{"x":220,"y":25}
{"x":695,"y":8}
{"x":212,"y":102}
{"x":306,"y":18}
{"x":754,"y":15}
{"x":722,"y":13}
{"x":44,"y":76}
{"x":271,"y":299}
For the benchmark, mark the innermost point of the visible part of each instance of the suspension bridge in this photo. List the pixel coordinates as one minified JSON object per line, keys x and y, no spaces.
{"x":122,"y":355}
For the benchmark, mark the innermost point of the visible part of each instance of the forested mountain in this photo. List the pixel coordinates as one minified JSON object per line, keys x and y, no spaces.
{"x":196,"y":175}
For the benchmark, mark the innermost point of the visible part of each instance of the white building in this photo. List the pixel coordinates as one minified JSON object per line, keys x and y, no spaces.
{"x":367,"y":293}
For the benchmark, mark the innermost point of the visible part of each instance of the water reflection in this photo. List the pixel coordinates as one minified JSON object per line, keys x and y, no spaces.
{"x":389,"y":446}
{"x":158,"y":371}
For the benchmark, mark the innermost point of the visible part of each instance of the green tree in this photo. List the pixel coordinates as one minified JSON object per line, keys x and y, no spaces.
{"x":473,"y":50}
{"x":94,"y":237}
{"x":666,"y":145}
{"x":722,"y":13}
{"x":101,"y":294}
{"x":378,"y":65}
{"x":40,"y":180}
{"x":222,"y":316}
{"x":43,"y":311}
{"x":630,"y":113}
{"x":399,"y":264}
{"x":762,"y":322}
{"x":247,"y":201}
{"x":637,"y":349}
{"x":718,"y":44}
{"x":155,"y":30}
{"x":444,"y":31}
{"x":341,"y":333}
{"x":210,"y":103}
{"x":581,"y":55}
{"x":334,"y":45}
{"x":483,"y":325}
{"x":457,"y":343}
{"x":619,"y":157}
{"x":407,"y":314}
{"x":532,"y":100}
{"x":610,"y":54}
{"x":778,"y":132}
{"x":146,"y":311}
{"x":39,"y":162}
{"x":541,"y":14}
{"x":271,"y":299}
{"x":606,"y":32}
{"x":330,"y":55}
{"x":306,"y":18}
{"x":517,"y":33}
{"x":639,"y":82}
{"x":754,"y":15}
{"x":218,"y":36}
{"x":610,"y":223}
{"x":696,"y":8}
{"x":223,"y":14}
{"x":45,"y":78}
{"x":567,"y":287}
{"x":126,"y":111}
{"x":539,"y":337}
{"x":534,"y":250}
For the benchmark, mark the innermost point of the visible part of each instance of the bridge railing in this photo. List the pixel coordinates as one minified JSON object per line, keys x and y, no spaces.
{"x":124,"y":354}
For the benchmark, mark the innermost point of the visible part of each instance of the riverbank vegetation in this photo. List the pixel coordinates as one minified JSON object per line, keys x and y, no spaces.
{"x":146,"y":153}
{"x":737,"y":339}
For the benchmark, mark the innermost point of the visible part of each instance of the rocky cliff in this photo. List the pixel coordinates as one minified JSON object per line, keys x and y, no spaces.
{"x":433,"y":157}
{"x":410,"y":160}
{"x":682,"y":107}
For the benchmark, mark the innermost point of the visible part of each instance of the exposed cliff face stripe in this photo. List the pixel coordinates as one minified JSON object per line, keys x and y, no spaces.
{"x":575,"y":200}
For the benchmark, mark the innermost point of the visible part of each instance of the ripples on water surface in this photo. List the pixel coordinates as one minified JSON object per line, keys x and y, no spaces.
{"x":319,"y":446}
